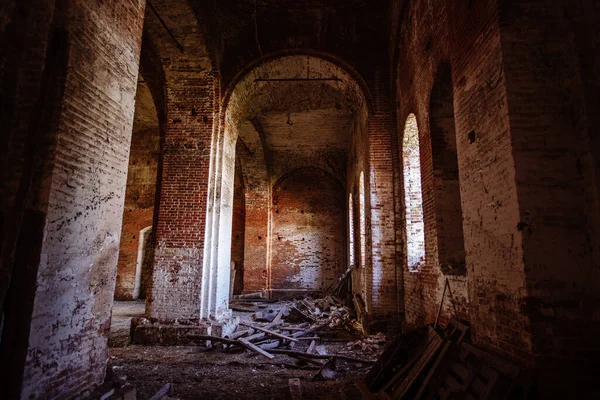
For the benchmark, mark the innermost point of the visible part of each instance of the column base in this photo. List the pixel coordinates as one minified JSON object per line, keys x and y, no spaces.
{"x":180,"y":333}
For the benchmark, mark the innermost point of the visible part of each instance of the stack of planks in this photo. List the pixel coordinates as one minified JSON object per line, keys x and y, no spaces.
{"x":435,"y":365}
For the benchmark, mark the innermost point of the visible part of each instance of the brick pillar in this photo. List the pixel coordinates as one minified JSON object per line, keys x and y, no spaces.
{"x":181,"y":218}
{"x":382,"y":276}
{"x":67,"y":253}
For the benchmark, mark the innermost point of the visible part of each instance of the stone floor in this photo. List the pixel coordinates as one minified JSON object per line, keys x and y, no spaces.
{"x":122,"y":313}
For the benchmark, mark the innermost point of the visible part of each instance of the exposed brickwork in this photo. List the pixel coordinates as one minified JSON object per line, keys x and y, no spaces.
{"x":448,"y":210}
{"x":384,"y":270}
{"x":182,"y":209}
{"x":308,"y":243}
{"x":413,"y":195}
{"x":258,"y":199}
{"x":556,"y":183}
{"x":238,"y":227}
{"x":491,"y":293}
{"x":139,"y":197}
{"x":91,"y":66}
{"x":293,"y":179}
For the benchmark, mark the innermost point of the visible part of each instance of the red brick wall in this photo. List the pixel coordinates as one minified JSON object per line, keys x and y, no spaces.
{"x":308,"y":243}
{"x":190,"y":114}
{"x":238,"y":228}
{"x":251,"y":153}
{"x":139,"y":207}
{"x":183,"y":192}
{"x":446,"y":186}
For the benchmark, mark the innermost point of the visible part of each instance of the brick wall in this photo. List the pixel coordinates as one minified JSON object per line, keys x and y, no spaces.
{"x":555,"y":175}
{"x":238,"y":227}
{"x":448,"y":210}
{"x":308,"y":242}
{"x":490,"y":295}
{"x":77,"y":187}
{"x":183,"y":191}
{"x":139,"y":197}
{"x":413,"y":196}
{"x":251,"y":153}
{"x":382,"y":273}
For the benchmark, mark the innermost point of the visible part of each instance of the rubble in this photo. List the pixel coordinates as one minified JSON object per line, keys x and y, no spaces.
{"x":443,"y":365}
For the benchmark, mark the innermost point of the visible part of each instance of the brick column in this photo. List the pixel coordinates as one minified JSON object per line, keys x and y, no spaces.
{"x":382,"y":276}
{"x":66,"y":256}
{"x":181,"y":219}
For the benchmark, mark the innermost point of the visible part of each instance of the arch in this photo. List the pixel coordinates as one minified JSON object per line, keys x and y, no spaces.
{"x":241,"y":100}
{"x":446,"y":185}
{"x":346,"y":70}
{"x":413,"y":195}
{"x":238,"y":229}
{"x":301,"y":170}
{"x":140,"y":194}
{"x":319,"y":68}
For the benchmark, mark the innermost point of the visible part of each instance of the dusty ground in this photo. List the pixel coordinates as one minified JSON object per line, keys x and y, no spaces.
{"x":199,"y":374}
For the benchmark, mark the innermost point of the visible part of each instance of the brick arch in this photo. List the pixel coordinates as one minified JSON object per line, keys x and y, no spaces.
{"x":288,"y":63}
{"x":258,"y":63}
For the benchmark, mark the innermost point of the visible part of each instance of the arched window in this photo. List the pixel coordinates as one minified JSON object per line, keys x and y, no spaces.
{"x":351,"y":259}
{"x":363,"y":221}
{"x":413,"y":196}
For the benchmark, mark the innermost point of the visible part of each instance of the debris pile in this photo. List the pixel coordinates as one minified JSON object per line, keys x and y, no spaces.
{"x":442,"y":365}
{"x":306,"y":330}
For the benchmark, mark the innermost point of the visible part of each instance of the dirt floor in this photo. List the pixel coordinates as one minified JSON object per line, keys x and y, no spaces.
{"x":198,"y":373}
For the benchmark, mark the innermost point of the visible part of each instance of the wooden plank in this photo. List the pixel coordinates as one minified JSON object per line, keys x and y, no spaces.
{"x":431,"y":334}
{"x":255,"y":348}
{"x":321,"y":356}
{"x":278,"y":317}
{"x":238,"y":334}
{"x":213,"y":339}
{"x":433,"y":370}
{"x":165,"y":390}
{"x":461,"y":371}
{"x":312,"y":347}
{"x":415,"y":372}
{"x":319,"y":363}
{"x":270,"y":332}
{"x":256,"y":336}
{"x":272,"y":344}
